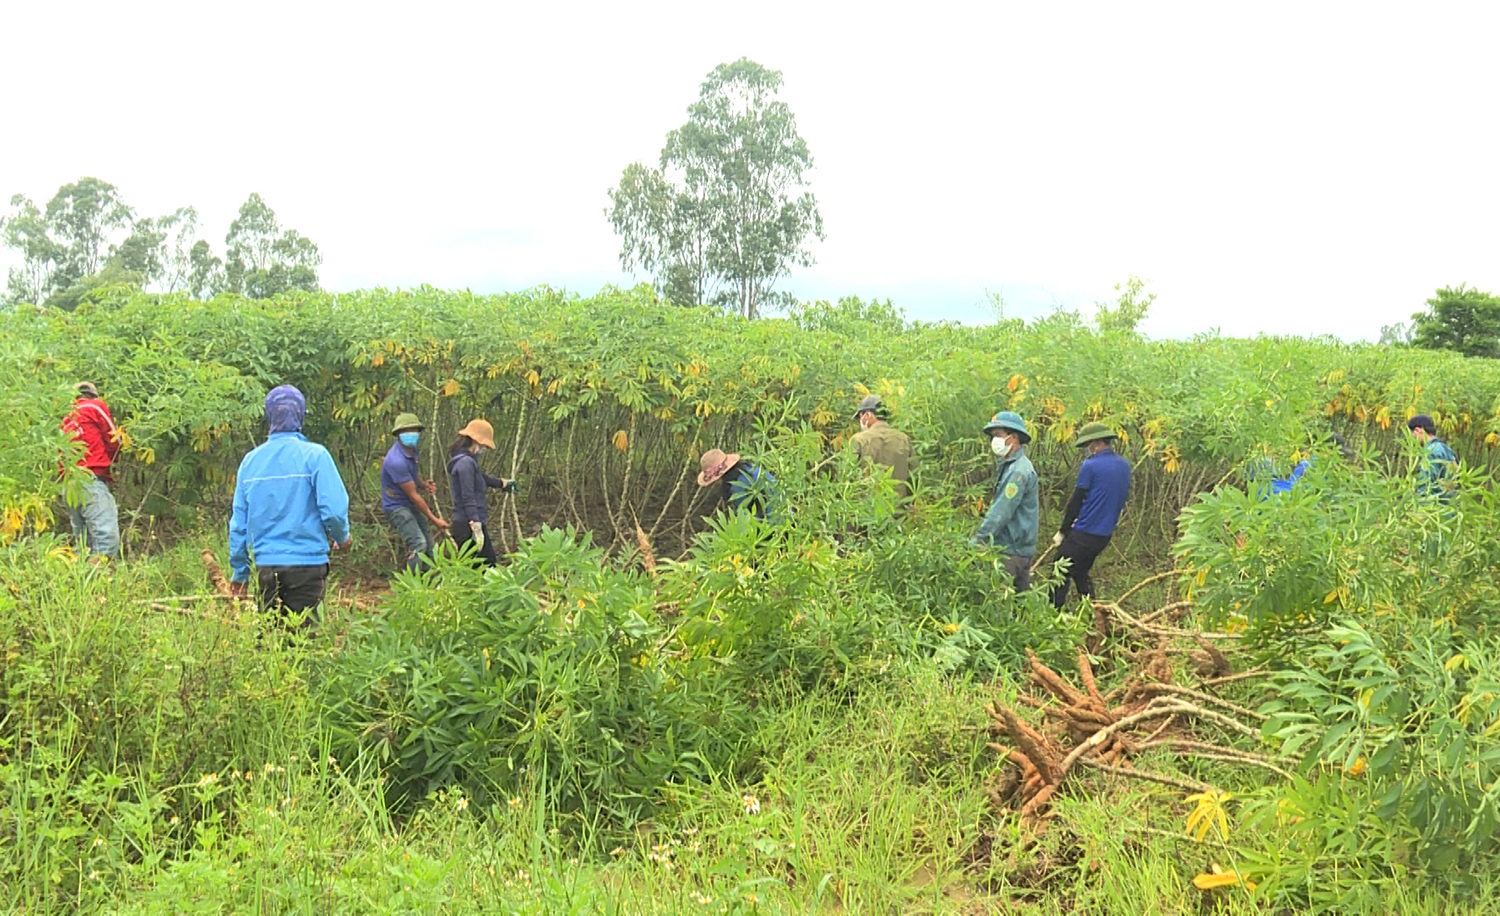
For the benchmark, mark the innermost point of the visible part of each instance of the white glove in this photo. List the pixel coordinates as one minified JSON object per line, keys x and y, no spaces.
{"x":477,"y":530}
{"x":1057,"y":539}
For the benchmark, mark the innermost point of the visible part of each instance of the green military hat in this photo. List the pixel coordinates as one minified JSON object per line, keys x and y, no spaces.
{"x":1009,"y":419}
{"x":1093,"y":432}
{"x":406,"y":421}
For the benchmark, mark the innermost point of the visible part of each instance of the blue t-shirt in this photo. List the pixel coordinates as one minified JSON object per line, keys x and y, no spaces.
{"x":1280,"y":485}
{"x":397,"y":468}
{"x":1106,"y":477}
{"x":754,"y":490}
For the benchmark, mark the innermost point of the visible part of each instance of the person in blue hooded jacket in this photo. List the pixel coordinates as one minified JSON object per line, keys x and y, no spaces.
{"x":290,"y":507}
{"x":1011,"y":524}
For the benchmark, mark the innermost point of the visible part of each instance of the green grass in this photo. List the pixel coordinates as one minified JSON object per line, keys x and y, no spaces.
{"x":158,"y":762}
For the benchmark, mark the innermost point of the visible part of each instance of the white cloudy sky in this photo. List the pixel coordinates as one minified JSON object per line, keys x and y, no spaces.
{"x":1280,"y":167}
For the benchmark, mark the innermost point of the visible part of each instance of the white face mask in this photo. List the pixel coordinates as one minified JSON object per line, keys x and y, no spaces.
{"x":1000,"y":446}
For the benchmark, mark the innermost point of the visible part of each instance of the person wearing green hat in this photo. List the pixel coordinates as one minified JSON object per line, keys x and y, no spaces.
{"x":1092,"y":514}
{"x":878,"y":442}
{"x":1011,"y":523}
{"x":403,"y":506}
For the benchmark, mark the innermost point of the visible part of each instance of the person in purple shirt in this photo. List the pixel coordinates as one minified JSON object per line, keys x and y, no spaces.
{"x":403,"y":506}
{"x":1092,"y":514}
{"x":470,"y":484}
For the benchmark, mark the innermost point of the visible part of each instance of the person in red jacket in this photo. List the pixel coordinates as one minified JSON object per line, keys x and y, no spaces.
{"x":96,"y":521}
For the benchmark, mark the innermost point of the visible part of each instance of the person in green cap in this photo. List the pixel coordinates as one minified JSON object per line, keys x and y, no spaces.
{"x":1012,"y":520}
{"x":878,"y":442}
{"x":404,"y":507}
{"x":1092,"y":514}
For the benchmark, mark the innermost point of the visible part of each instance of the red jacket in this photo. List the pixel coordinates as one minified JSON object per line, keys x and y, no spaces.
{"x":91,"y":424}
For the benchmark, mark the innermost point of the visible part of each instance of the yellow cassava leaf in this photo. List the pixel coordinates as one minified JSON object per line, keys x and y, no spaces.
{"x":1208,"y":881}
{"x":621,"y":440}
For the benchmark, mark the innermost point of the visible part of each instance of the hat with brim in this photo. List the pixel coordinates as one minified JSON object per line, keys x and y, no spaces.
{"x":480,"y":431}
{"x":715,"y":464}
{"x":406,"y":421}
{"x":870,"y":403}
{"x":1009,"y":420}
{"x":87,"y":389}
{"x":1093,"y":432}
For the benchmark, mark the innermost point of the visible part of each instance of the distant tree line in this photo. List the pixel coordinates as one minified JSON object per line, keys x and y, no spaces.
{"x":1458,"y":318}
{"x":87,"y":237}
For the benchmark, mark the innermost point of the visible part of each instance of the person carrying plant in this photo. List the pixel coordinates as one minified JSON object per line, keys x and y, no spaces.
{"x":95,"y":520}
{"x":403,"y":506}
{"x":469,"y":484}
{"x":290,"y":507}
{"x":742,"y":484}
{"x":1435,"y":478}
{"x":878,"y":442}
{"x":1011,"y":523}
{"x":1093,"y":512}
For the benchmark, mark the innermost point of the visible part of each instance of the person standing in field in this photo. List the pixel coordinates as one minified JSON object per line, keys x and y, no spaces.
{"x":290,"y":507}
{"x":878,"y":442}
{"x":469,"y":485}
{"x":95,"y":520}
{"x":1435,"y":478}
{"x":742,"y":484}
{"x":1011,"y":523}
{"x":1093,"y":512}
{"x":403,"y":506}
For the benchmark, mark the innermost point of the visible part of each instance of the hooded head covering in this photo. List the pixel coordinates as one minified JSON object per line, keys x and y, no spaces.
{"x":285,"y":409}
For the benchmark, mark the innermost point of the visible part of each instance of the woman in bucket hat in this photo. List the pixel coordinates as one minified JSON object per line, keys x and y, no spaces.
{"x":469,"y":484}
{"x":404,"y":507}
{"x":1092,"y":514}
{"x":1011,"y":523}
{"x":742,"y":484}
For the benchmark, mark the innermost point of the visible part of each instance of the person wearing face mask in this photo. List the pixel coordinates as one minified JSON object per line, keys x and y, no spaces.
{"x":1092,"y":514}
{"x":403,"y":506}
{"x":469,"y":484}
{"x":1011,"y":523}
{"x":880,"y":443}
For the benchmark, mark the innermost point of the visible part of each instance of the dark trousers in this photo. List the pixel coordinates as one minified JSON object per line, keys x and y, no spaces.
{"x":465,"y":536}
{"x":287,"y":590}
{"x":1080,"y":550}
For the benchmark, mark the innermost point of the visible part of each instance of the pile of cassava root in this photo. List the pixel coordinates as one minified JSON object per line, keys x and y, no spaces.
{"x":1079,"y":724}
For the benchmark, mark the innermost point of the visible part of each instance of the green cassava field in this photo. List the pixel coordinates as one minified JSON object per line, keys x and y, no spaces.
{"x":1287,"y":705}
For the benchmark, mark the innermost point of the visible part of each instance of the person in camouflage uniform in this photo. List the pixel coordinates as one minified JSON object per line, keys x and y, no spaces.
{"x":1011,"y":524}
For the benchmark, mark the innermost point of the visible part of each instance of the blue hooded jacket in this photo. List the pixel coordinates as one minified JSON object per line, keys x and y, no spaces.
{"x":289,"y":501}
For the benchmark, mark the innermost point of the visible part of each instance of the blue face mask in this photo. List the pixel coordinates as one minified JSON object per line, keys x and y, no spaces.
{"x":410,"y":440}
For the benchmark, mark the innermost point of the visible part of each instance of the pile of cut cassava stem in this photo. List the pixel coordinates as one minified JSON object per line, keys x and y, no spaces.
{"x":1296,"y":708}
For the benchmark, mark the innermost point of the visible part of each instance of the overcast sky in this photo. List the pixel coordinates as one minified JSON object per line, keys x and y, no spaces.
{"x":1308,"y":168}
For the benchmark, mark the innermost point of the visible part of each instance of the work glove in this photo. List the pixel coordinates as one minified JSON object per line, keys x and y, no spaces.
{"x":1057,"y":539}
{"x":511,"y":487}
{"x":477,"y":530}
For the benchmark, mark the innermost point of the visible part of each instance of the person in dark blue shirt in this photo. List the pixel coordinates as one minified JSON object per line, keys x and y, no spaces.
{"x":1280,"y":485}
{"x":742,"y":484}
{"x":1092,"y":514}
